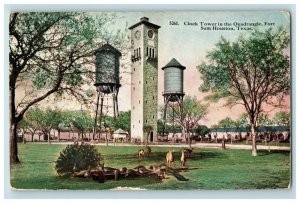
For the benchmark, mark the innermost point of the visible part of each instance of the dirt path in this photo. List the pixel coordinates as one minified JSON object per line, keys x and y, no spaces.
{"x":197,"y":145}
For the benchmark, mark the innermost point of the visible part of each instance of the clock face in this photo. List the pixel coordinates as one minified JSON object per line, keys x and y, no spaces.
{"x":137,"y":34}
{"x":150,"y":34}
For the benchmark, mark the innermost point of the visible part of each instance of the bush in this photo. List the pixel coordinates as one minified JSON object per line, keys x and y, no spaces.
{"x":77,"y":157}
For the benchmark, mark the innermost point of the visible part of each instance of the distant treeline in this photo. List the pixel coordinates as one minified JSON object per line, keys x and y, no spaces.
{"x":235,"y":129}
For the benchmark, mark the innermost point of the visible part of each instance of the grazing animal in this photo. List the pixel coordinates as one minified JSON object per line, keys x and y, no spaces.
{"x":183,"y":158}
{"x":141,"y":154}
{"x":148,"y":150}
{"x":170,"y":158}
{"x":188,"y":151}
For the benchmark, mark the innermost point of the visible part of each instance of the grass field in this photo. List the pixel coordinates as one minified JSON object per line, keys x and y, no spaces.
{"x":211,"y":169}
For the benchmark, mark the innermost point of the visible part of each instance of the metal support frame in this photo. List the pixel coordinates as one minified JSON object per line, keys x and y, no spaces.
{"x":113,"y":90}
{"x":170,"y":98}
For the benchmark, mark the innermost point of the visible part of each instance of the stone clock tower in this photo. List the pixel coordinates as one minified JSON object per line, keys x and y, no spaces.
{"x":144,"y":54}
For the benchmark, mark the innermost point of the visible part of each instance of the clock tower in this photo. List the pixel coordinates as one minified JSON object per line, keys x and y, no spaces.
{"x":144,"y":55}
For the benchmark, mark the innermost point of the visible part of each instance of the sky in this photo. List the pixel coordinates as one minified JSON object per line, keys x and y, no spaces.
{"x":188,"y":42}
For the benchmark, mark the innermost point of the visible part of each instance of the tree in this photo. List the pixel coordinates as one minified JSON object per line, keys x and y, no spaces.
{"x":47,"y":122}
{"x":31,"y":119}
{"x":161,"y":127}
{"x":202,"y":130}
{"x":57,"y":121}
{"x":282,"y":118}
{"x":122,"y":121}
{"x":226,"y":123}
{"x":242,"y":121}
{"x":147,"y":129}
{"x":250,"y":71}
{"x":192,"y":112}
{"x":48,"y":51}
{"x":82,"y":121}
{"x":264,"y":120}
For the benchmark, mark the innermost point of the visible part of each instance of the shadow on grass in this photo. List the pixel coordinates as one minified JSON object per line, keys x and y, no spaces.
{"x":161,"y":156}
{"x":206,"y":155}
{"x":266,"y":153}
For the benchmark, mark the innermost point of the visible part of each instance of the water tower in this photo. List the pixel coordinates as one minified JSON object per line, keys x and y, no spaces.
{"x":173,"y":87}
{"x":107,"y":78}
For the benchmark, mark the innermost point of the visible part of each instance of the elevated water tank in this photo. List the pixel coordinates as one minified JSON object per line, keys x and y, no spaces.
{"x":107,"y":68}
{"x":173,"y":79}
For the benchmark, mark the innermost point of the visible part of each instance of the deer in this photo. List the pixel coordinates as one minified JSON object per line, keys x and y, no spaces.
{"x":170,"y":158}
{"x":141,"y":153}
{"x":148,"y":150}
{"x":188,"y":151}
{"x":183,"y":158}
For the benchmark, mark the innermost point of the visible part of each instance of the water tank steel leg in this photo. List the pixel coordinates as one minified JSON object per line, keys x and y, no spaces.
{"x":101,"y":109}
{"x":95,"y":121}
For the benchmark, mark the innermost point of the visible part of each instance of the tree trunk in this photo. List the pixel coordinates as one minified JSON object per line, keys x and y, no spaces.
{"x":23,"y":138}
{"x":58,"y":135}
{"x":253,"y":132}
{"x":13,"y":148}
{"x":32,"y":135}
{"x":223,"y":143}
{"x":106,"y":139}
{"x":189,"y":139}
{"x":49,"y":137}
{"x":147,"y":139}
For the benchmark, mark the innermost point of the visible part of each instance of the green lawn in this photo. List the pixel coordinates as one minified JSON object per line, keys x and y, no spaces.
{"x":211,"y":169}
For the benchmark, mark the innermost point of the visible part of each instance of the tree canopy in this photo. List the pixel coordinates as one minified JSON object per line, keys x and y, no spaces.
{"x":52,"y":53}
{"x":251,"y":71}
{"x":192,"y":112}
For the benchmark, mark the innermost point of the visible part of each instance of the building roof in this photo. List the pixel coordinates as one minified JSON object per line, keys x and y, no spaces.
{"x":174,"y":63}
{"x":145,"y":21}
{"x":108,"y":48}
{"x":120,"y":131}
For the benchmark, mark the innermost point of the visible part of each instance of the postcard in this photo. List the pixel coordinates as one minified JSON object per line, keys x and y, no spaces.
{"x":175,"y":100}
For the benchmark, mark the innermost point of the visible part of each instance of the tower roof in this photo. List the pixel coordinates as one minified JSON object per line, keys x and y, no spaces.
{"x":174,"y":63}
{"x":108,"y":48}
{"x":145,"y":21}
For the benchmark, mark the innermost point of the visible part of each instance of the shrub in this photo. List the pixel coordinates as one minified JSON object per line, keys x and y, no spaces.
{"x":77,"y":157}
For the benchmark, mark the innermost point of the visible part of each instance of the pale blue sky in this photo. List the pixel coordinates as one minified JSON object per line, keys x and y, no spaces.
{"x":189,"y":44}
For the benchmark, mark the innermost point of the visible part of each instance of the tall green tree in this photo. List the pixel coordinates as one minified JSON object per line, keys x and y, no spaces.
{"x":192,"y":112}
{"x":47,"y":51}
{"x":58,"y":121}
{"x":250,"y":71}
